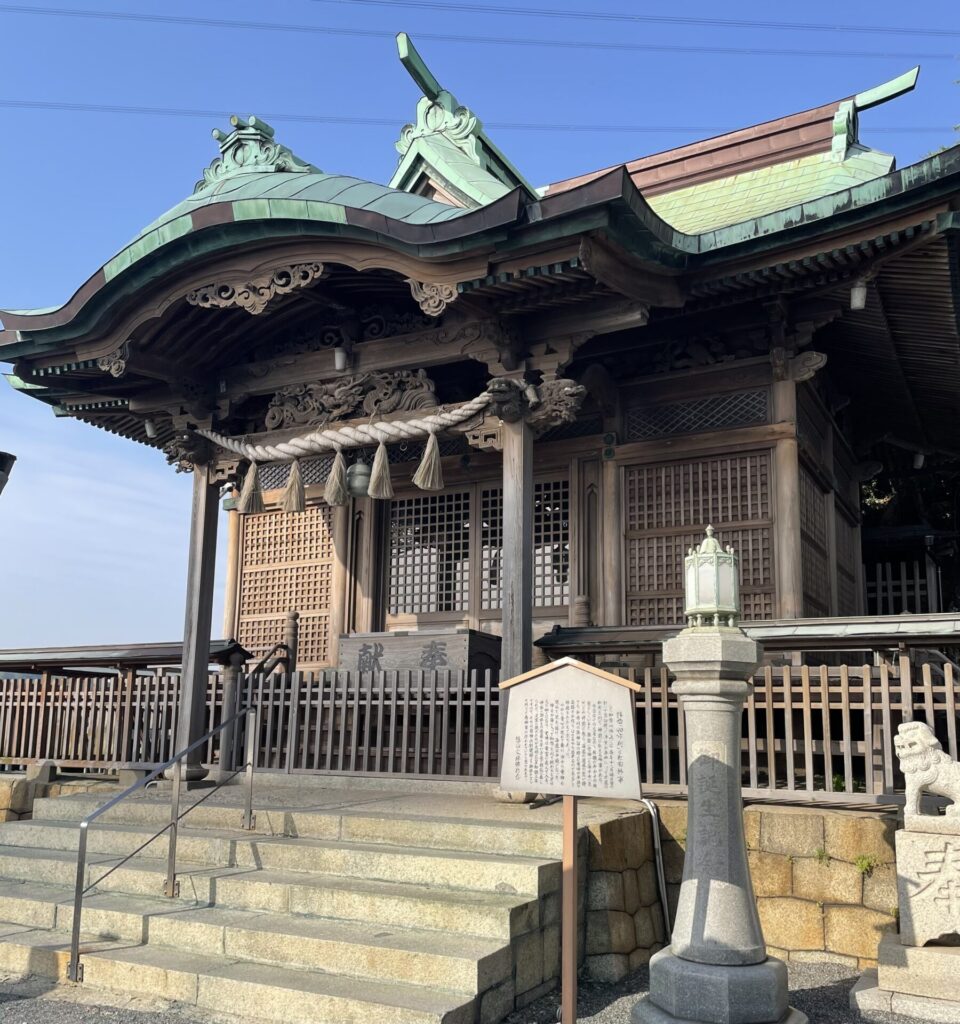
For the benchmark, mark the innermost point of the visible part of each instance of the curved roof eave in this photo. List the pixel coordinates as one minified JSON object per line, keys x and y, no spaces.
{"x":611,"y":203}
{"x":172,"y":245}
{"x":647,"y":235}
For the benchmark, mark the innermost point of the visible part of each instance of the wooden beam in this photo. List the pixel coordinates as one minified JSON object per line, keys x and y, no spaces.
{"x":789,"y":569}
{"x":231,"y":588}
{"x":201,"y":565}
{"x":602,"y":316}
{"x":611,"y":540}
{"x":517,"y":549}
{"x":620,"y":273}
{"x":340,"y":581}
{"x":431,"y":347}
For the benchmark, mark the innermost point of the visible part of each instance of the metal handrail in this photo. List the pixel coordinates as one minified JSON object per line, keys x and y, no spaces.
{"x":269,"y":659}
{"x":171,"y":886}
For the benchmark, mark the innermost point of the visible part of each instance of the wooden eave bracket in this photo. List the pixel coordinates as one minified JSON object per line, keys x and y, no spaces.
{"x":839,"y":254}
{"x":616,"y":270}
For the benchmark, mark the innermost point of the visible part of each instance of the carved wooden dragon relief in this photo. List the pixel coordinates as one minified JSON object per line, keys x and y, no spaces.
{"x":365,"y":394}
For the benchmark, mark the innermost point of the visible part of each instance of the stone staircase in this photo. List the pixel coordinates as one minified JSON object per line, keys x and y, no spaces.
{"x":329,"y":914}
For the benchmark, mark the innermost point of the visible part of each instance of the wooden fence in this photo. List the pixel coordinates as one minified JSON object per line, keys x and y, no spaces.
{"x":893,"y":588}
{"x":814,"y":734}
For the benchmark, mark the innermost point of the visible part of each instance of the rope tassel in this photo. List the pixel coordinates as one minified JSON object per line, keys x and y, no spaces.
{"x":294,"y":499}
{"x":429,"y":476}
{"x":251,"y":496}
{"x":335,"y":492}
{"x":380,"y":485}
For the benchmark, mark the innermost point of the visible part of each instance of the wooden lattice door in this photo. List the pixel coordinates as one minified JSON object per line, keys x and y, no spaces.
{"x":666,"y":508}
{"x":287,"y":566}
{"x":444,"y":555}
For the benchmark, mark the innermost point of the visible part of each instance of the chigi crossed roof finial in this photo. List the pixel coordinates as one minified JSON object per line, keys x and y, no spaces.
{"x":249,"y":147}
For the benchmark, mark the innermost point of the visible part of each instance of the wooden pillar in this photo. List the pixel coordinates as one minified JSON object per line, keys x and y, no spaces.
{"x":517,"y":570}
{"x":611,"y":532}
{"x":787,"y":472}
{"x":861,"y":606}
{"x":366,"y":564}
{"x":340,"y":582}
{"x":291,"y":639}
{"x":229,"y":755}
{"x":231,"y":589}
{"x":192,"y":720}
{"x":830,"y":500}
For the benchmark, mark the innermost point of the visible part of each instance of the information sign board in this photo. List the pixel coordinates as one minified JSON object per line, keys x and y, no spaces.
{"x":571,"y":730}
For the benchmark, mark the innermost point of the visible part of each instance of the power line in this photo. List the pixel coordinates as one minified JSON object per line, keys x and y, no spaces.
{"x":301,"y":28}
{"x":115,"y":108}
{"x":644,"y":19}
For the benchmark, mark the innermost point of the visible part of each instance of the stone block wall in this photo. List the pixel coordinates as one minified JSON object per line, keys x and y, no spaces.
{"x":624,"y":920}
{"x":825,"y":880}
{"x":18,"y":792}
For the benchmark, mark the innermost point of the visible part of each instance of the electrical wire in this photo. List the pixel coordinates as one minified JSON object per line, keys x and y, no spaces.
{"x":643,"y":19}
{"x":340,"y":119}
{"x":301,"y":28}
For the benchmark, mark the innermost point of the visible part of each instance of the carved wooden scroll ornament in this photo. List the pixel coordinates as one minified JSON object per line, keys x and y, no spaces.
{"x":254,"y":294}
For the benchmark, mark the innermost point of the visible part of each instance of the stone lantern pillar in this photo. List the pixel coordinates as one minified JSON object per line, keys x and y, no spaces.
{"x":716,"y":969}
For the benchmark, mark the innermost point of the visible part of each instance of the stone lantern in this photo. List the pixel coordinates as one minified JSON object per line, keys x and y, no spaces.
{"x":716,"y":969}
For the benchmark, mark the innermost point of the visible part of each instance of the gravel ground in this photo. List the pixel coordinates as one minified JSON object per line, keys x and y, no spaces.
{"x":821,"y":991}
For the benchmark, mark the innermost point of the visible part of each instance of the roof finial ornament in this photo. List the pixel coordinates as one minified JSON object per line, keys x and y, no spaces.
{"x":249,"y":147}
{"x":447,"y":143}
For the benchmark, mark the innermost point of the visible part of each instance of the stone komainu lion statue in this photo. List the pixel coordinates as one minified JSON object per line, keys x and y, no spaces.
{"x":926,"y":767}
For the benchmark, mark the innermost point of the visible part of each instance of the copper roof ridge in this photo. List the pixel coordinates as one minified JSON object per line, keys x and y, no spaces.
{"x":761,"y":145}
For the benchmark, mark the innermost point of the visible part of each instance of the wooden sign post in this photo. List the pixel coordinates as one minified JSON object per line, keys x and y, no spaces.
{"x":570,"y":730}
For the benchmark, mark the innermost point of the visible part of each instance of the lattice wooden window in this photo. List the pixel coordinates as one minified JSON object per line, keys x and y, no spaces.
{"x":430,"y":554}
{"x":666,"y":510}
{"x":645,"y":421}
{"x":313,"y":471}
{"x":814,"y":554}
{"x":551,"y":545}
{"x":287,"y":565}
{"x":491,"y":550}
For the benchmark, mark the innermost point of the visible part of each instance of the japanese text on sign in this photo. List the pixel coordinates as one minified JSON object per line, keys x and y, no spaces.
{"x":570,"y":731}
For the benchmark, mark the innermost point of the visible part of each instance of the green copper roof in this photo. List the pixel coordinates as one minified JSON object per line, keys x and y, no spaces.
{"x":742,"y":197}
{"x":263,"y":180}
{"x":305,"y":195}
{"x":448,"y":144}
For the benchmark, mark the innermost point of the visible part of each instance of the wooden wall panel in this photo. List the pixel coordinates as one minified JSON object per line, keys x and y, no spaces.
{"x":286,"y":565}
{"x":848,"y":556}
{"x":814,"y":547}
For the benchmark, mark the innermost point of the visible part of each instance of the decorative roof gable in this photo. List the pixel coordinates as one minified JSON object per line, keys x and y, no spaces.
{"x":445,"y":153}
{"x":249,"y":148}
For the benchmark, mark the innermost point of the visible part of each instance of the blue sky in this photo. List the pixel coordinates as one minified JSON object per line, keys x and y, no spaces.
{"x":94,"y":529}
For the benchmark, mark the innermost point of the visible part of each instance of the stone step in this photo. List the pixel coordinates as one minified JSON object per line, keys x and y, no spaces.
{"x":454,"y":962}
{"x":483,"y":835}
{"x":139,"y":876}
{"x":488,"y":914}
{"x":155,"y":811}
{"x":449,"y":961}
{"x":445,"y":868}
{"x":484,"y":914}
{"x":222,"y":983}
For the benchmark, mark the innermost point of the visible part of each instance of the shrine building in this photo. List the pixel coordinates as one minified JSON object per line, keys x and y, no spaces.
{"x":462,"y":411}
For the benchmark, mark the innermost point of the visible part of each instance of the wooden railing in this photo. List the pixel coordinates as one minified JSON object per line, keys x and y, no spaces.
{"x":413,"y":724}
{"x":96,"y":721}
{"x":821,"y":734}
{"x":895,"y":588}
{"x":809,"y":734}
